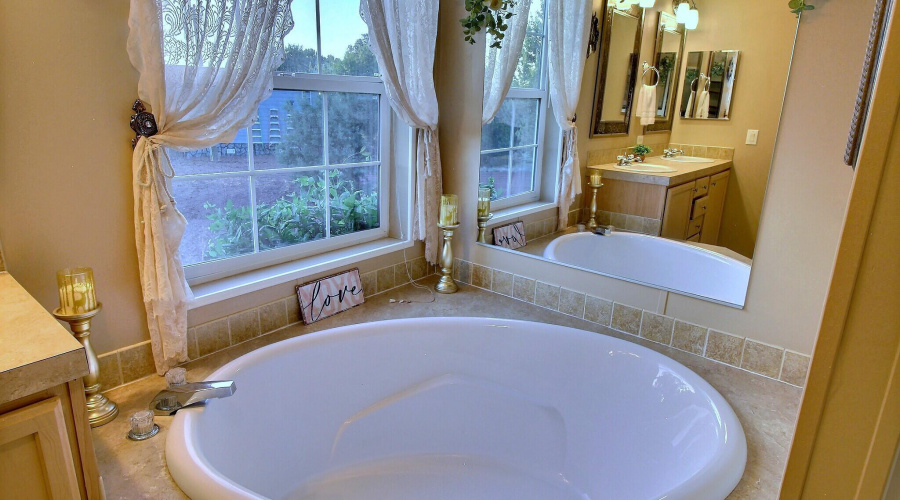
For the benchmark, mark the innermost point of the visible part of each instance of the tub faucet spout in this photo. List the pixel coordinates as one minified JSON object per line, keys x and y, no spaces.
{"x":176,"y":397}
{"x":603,"y":230}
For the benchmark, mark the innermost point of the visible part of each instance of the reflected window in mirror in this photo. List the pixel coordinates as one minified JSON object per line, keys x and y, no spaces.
{"x":617,"y":69}
{"x":511,"y":143}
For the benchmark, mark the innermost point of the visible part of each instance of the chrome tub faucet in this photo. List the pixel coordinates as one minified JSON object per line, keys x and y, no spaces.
{"x":176,"y":397}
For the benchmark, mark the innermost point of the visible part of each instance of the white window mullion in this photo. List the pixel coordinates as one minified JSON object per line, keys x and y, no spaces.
{"x":327,"y":163}
{"x":254,"y":220}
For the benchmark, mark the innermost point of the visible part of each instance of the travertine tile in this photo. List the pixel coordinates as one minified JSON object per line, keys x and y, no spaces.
{"x":634,"y":223}
{"x":724,"y":347}
{"x":690,"y":338}
{"x":651,"y":226}
{"x":549,"y":226}
{"x":700,"y":151}
{"x":572,"y":218}
{"x":594,"y":157}
{"x":385,"y":278}
{"x":571,"y":303}
{"x":212,"y":336}
{"x":761,"y":358}
{"x":657,"y":328}
{"x":272,"y":316}
{"x":244,"y":326}
{"x":481,"y":276}
{"x":795,"y":368}
{"x":293,"y":307}
{"x":502,"y":283}
{"x":193,"y":353}
{"x":401,"y":277}
{"x":370,"y":283}
{"x":598,"y":310}
{"x":137,"y":362}
{"x":463,"y":271}
{"x":603,"y":217}
{"x":531,"y":230}
{"x":546,"y":295}
{"x":110,"y":372}
{"x":523,"y":288}
{"x":417,"y":268}
{"x":617,"y":219}
{"x":626,"y":319}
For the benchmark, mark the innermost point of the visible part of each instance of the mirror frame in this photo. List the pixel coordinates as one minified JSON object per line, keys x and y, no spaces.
{"x":662,"y":125}
{"x":599,"y":127}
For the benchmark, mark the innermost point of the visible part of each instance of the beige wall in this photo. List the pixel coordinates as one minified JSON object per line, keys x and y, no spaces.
{"x":764,"y":35}
{"x":66,"y":88}
{"x":803,"y":211}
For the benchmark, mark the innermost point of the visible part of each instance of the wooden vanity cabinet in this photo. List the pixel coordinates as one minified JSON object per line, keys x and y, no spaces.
{"x":718,"y":186}
{"x":693,"y":210}
{"x":677,"y":213}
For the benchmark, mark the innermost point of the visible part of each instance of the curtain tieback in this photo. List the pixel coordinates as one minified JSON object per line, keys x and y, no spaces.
{"x":142,"y":122}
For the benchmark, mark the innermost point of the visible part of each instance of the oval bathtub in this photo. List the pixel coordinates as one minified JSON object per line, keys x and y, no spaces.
{"x":458,"y":408}
{"x":681,"y":267}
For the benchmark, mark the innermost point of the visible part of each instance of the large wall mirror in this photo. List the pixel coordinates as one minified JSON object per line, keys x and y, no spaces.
{"x":685,"y":218}
{"x":617,"y":66}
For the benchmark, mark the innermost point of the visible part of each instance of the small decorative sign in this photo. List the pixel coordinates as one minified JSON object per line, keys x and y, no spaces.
{"x":510,"y":236}
{"x":330,"y":295}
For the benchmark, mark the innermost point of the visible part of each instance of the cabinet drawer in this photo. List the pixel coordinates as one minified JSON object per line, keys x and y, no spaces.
{"x":699,"y":207}
{"x":694,"y":227}
{"x":701,"y":187}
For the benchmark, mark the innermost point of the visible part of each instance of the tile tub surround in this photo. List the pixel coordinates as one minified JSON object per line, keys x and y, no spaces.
{"x":136,"y":361}
{"x":537,"y":225}
{"x":747,"y":354}
{"x":767,"y":409}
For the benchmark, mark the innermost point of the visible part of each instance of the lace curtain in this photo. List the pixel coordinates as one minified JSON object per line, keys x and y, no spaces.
{"x":402,"y":35}
{"x":567,"y":35}
{"x":204,"y":68}
{"x":500,"y":64}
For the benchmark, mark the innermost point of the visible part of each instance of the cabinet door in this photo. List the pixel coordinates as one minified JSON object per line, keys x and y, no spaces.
{"x":678,"y":211}
{"x":35,"y":455}
{"x":718,"y":186}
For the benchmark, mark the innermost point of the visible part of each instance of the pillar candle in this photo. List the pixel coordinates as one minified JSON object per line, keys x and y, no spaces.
{"x":449,"y":210}
{"x":484,"y":201}
{"x":596,"y":178}
{"x":76,"y":290}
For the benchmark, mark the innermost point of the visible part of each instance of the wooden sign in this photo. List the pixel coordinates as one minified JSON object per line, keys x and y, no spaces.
{"x":330,"y":295}
{"x":510,"y":236}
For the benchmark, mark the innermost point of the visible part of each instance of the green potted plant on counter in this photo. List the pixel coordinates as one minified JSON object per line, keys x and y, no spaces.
{"x":642,"y":150}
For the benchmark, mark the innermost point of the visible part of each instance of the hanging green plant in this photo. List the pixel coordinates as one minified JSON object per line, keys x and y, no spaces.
{"x":798,"y":6}
{"x":490,"y":15}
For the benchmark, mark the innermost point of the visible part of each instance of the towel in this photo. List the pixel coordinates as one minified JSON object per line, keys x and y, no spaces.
{"x":703,"y":105}
{"x":646,"y":105}
{"x":689,"y":111}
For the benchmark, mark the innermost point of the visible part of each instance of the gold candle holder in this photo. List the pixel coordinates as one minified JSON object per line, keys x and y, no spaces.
{"x":100,"y":409}
{"x":592,"y":222}
{"x":446,"y":284}
{"x":482,"y":225}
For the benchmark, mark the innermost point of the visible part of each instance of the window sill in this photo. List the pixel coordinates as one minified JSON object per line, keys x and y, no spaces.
{"x":258,"y":279}
{"x":516,"y":212}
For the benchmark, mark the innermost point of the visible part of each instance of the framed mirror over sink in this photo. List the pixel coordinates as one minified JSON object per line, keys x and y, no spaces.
{"x":684,"y":217}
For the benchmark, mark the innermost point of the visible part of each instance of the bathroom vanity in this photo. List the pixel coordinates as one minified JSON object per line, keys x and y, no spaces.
{"x":685,"y":197}
{"x":45,"y":438}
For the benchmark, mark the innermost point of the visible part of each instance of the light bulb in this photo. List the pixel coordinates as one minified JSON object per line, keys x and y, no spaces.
{"x":647,"y":4}
{"x":681,"y":12}
{"x":693,"y":19}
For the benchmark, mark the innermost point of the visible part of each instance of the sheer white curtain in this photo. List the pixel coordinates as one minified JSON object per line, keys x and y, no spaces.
{"x":402,"y":35}
{"x":204,"y":68}
{"x":500,"y":64}
{"x":567,"y":35}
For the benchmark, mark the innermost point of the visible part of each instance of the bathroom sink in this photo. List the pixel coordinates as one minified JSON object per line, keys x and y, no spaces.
{"x":691,"y":159}
{"x":647,"y":168}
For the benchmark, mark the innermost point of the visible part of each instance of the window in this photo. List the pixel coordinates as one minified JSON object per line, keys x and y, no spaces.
{"x":512,"y":144}
{"x":307,"y":176}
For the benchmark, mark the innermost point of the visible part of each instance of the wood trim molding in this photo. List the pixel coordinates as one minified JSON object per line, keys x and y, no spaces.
{"x":846,"y":405}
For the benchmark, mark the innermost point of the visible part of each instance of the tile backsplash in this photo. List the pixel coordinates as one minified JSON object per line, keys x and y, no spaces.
{"x":744,"y":353}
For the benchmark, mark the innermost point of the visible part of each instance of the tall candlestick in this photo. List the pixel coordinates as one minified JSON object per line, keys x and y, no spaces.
{"x":449,"y":210}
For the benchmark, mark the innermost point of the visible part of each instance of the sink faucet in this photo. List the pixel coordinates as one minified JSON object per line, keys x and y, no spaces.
{"x":624,"y":161}
{"x":672,"y":153}
{"x":176,"y":397}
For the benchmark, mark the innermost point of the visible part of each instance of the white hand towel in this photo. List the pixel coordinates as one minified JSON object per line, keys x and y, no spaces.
{"x":689,"y":111}
{"x":703,"y":105}
{"x":645,"y":109}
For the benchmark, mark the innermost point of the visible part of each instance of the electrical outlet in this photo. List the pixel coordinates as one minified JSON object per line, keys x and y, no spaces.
{"x":640,"y":139}
{"x":752,"y":136}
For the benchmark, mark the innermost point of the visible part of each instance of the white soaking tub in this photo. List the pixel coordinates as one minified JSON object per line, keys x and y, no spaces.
{"x":458,"y":408}
{"x":689,"y":268}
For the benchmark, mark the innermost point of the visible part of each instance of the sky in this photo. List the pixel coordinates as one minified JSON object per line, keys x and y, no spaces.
{"x":341,"y":25}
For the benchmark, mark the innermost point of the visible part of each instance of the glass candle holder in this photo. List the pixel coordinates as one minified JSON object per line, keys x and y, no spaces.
{"x":76,"y":290}
{"x":596,"y":178}
{"x":484,"y":201}
{"x":449,"y":210}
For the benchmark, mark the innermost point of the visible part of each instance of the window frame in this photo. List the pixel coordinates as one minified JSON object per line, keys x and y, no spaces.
{"x":542,"y":94}
{"x":203,"y":272}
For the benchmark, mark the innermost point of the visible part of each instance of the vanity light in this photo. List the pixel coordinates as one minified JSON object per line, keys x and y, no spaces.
{"x":693,"y":19}
{"x":681,"y":12}
{"x":647,"y":4}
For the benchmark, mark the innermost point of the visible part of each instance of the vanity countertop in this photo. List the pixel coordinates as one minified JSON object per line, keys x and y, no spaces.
{"x":36,"y":351}
{"x":686,"y":172}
